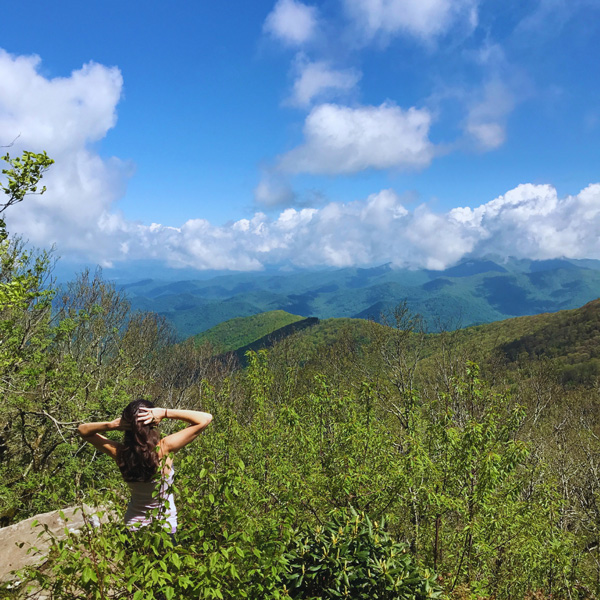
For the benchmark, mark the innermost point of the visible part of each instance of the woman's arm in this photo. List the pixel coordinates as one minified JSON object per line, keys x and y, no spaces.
{"x":91,"y":432}
{"x":197,"y":420}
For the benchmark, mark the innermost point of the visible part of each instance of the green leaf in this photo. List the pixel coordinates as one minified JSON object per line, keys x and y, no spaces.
{"x":88,"y":575}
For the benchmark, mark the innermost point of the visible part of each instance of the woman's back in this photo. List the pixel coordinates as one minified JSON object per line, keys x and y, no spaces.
{"x":148,"y":496}
{"x":142,"y":452}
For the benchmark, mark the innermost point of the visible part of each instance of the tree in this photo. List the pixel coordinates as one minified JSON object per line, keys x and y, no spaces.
{"x":23,"y":178}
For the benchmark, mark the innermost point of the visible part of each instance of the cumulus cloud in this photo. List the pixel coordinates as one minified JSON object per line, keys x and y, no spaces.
{"x":292,"y":22}
{"x":58,"y":114}
{"x":318,"y":79}
{"x":63,"y":116}
{"x":423,"y":19}
{"x":340,"y":139}
{"x":530,"y":221}
{"x":306,"y":237}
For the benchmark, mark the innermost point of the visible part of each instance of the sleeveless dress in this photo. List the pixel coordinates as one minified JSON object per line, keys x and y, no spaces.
{"x":144,"y":499}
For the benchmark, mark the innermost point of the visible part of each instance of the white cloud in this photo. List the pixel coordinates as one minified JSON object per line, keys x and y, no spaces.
{"x":488,"y":104}
{"x":424,"y":19}
{"x":339,"y":139}
{"x":529,"y":221}
{"x":63,"y":116}
{"x":292,"y":22}
{"x":57,"y":114}
{"x":318,"y":79}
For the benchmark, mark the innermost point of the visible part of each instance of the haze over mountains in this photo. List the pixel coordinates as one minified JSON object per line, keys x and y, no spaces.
{"x":471,"y":292}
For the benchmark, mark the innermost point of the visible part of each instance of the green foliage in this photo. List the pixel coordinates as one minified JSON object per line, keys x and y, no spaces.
{"x":22,"y":178}
{"x":571,"y":337}
{"x":220,"y":554}
{"x":352,"y":557}
{"x":457,"y":483}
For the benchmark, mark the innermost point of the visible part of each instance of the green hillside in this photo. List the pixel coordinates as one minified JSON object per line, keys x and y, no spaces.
{"x":242,"y":331}
{"x":571,"y":338}
{"x":272,"y":338}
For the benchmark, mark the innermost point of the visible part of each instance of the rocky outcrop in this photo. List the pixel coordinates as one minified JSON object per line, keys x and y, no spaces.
{"x":26,"y":543}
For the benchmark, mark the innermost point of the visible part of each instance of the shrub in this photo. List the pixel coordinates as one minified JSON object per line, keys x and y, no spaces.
{"x":218,"y":554}
{"x":353,"y":557}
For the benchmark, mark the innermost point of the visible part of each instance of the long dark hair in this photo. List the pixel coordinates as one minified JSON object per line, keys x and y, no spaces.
{"x":137,"y":458}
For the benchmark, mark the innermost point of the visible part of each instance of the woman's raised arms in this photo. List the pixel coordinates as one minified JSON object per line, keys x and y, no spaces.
{"x":197,"y":420}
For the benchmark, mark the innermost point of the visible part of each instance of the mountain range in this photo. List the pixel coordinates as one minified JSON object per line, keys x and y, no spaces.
{"x":469,"y":293}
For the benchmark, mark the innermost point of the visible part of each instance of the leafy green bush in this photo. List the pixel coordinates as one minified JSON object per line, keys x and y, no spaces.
{"x":223,"y":552}
{"x":217,"y":554}
{"x":353,"y":557}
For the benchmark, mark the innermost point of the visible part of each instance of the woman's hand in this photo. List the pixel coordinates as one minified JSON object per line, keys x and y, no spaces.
{"x":151,"y":415}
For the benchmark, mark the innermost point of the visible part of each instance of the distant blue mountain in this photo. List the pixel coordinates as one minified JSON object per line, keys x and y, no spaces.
{"x":469,"y":268}
{"x":471,"y":292}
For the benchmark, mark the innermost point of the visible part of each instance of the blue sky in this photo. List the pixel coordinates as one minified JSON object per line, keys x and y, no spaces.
{"x":241,"y":135}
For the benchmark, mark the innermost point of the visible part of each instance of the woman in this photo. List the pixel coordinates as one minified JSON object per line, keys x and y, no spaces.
{"x":143,"y":452}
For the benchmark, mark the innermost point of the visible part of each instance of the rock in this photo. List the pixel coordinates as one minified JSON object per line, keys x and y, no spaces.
{"x":16,"y":540}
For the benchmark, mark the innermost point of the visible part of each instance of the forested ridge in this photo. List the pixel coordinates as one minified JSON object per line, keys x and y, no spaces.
{"x":241,"y":331}
{"x":389,"y":464}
